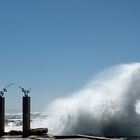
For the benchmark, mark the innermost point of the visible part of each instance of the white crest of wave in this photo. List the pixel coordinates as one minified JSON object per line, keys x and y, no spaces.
{"x":108,"y":106}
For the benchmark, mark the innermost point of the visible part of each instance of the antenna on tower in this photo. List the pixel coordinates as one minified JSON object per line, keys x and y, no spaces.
{"x":26,"y":92}
{"x":4,"y":90}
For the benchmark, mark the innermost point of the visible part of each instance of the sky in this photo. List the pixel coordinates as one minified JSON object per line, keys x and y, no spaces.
{"x":55,"y":47}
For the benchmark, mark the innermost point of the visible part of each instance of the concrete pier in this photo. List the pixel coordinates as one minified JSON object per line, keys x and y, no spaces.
{"x":68,"y":137}
{"x":26,"y":116}
{"x":2,"y":113}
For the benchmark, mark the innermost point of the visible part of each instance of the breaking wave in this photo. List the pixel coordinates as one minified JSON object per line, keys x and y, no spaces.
{"x":107,"y":106}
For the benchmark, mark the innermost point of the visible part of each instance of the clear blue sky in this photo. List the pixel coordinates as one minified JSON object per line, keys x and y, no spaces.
{"x":56,"y":46}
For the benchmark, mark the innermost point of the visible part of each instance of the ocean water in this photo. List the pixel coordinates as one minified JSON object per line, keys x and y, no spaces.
{"x":109,"y":105}
{"x":13,"y":121}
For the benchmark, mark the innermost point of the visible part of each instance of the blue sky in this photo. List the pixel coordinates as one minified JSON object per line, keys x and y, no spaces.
{"x":56,"y":46}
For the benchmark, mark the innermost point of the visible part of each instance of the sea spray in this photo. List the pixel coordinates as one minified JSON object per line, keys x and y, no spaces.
{"x":107,"y":106}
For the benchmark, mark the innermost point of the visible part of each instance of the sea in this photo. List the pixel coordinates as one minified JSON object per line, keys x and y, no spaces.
{"x":13,"y":121}
{"x":108,"y":105}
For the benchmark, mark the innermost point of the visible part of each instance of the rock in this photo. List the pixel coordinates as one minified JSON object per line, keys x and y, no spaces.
{"x":39,"y":131}
{"x":14,"y":132}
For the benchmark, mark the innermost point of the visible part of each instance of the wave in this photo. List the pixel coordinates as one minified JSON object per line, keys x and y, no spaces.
{"x":107,"y":106}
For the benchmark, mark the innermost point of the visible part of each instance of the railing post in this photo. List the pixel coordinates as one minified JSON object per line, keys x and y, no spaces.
{"x":26,"y":116}
{"x":2,"y":114}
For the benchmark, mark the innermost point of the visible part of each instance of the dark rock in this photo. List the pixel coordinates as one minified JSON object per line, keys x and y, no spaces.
{"x":38,"y":131}
{"x":14,"y":132}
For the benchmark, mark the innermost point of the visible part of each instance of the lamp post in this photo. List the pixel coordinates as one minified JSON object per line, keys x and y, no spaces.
{"x":26,"y":112}
{"x":2,"y":113}
{"x":2,"y":108}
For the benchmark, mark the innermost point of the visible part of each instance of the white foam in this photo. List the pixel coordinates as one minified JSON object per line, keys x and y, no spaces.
{"x":108,"y":105}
